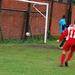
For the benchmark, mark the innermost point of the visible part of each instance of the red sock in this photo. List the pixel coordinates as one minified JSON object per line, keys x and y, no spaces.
{"x":62,"y":58}
{"x":69,"y":56}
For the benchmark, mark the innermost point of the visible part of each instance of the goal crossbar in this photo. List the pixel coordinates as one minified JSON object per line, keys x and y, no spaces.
{"x":40,"y":3}
{"x":46,"y":17}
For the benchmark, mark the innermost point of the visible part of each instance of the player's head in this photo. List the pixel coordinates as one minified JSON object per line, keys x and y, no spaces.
{"x":64,"y":16}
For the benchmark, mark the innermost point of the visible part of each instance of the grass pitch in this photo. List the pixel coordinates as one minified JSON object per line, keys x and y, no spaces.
{"x":19,"y":59}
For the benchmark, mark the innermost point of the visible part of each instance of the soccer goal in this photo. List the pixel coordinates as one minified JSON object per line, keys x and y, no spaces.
{"x":44,"y":16}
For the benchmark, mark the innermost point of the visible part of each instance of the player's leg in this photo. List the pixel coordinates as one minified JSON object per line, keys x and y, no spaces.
{"x":70,"y":55}
{"x":63,"y":56}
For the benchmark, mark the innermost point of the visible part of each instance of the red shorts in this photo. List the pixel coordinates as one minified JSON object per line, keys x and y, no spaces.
{"x":69,"y":45}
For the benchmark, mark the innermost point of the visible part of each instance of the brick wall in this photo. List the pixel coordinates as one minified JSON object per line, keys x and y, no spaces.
{"x":14,"y":22}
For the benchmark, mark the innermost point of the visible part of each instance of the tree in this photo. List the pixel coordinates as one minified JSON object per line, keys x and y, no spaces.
{"x":1,"y":19}
{"x":51,"y":11}
{"x":74,"y":1}
{"x":69,"y":12}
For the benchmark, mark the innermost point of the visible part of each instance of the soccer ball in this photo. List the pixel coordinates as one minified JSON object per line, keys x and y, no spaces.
{"x":27,"y":34}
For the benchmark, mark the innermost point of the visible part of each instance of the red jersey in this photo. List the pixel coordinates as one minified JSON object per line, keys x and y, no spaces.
{"x":69,"y":33}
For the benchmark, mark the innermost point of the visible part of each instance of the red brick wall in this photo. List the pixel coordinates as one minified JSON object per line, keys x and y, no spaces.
{"x":13,"y":22}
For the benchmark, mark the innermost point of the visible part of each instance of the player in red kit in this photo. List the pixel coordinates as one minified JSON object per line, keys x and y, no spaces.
{"x":69,"y":33}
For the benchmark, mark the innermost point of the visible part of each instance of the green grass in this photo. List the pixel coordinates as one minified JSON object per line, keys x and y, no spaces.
{"x":19,"y":59}
{"x":30,"y":40}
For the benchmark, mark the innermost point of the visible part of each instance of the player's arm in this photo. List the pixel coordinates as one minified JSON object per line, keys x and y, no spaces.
{"x":63,"y":35}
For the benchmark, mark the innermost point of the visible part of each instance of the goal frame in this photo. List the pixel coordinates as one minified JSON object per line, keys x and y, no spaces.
{"x":45,"y":16}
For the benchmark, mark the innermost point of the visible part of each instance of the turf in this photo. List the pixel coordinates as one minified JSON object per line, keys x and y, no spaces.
{"x":19,"y":59}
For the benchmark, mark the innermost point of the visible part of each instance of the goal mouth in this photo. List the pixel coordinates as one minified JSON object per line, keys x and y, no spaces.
{"x":45,"y":16}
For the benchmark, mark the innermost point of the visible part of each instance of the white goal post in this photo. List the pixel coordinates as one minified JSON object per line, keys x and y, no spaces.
{"x":45,"y":16}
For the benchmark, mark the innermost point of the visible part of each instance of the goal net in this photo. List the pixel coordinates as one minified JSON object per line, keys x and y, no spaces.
{"x":38,"y":18}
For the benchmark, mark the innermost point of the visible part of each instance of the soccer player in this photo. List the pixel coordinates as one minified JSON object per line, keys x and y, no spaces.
{"x":62,"y":25}
{"x":69,"y":44}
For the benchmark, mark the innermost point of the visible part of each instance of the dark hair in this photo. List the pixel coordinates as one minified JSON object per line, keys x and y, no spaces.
{"x":64,"y":16}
